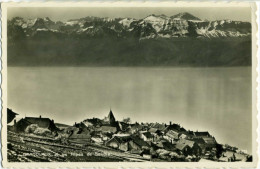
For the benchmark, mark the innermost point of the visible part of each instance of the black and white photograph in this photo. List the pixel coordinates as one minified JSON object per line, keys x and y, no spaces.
{"x":129,"y":84}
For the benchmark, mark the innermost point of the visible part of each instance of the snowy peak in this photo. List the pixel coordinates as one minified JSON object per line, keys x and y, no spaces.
{"x":185,"y":16}
{"x":152,"y":26}
{"x":156,"y":17}
{"x":126,"y":21}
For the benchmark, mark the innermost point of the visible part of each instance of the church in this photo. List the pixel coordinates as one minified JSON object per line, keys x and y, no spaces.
{"x":110,"y":119}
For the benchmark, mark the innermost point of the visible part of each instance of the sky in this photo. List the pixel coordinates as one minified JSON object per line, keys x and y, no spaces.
{"x":66,"y":13}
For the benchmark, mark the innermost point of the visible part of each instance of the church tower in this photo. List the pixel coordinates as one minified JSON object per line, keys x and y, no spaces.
{"x":111,"y":117}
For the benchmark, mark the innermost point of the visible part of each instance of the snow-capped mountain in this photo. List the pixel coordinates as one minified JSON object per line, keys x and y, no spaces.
{"x":152,"y":26}
{"x":155,"y":40}
{"x":185,"y":16}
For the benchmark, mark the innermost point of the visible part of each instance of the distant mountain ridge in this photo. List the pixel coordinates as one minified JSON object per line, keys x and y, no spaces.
{"x":152,"y":26}
{"x":156,"y":40}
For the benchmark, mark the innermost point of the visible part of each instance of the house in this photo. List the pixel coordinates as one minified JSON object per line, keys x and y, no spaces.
{"x":41,"y":122}
{"x":121,"y":134}
{"x":10,"y":115}
{"x":136,"y":127}
{"x":131,"y":131}
{"x":201,"y":143}
{"x":128,"y":143}
{"x":153,"y":130}
{"x":199,"y":140}
{"x":202,"y":134}
{"x":182,"y":130}
{"x":174,"y":127}
{"x":97,"y":140}
{"x":190,"y":134}
{"x":120,"y":143}
{"x":183,"y":149}
{"x":182,"y":136}
{"x":210,"y":143}
{"x":84,"y":131}
{"x":225,"y":159}
{"x":232,"y":156}
{"x":79,"y":135}
{"x":107,"y":129}
{"x":171,"y":135}
{"x":100,"y":135}
{"x":106,"y":136}
{"x":96,"y":133}
{"x":82,"y":128}
{"x":167,"y":146}
{"x":80,"y":125}
{"x":137,"y":144}
{"x":194,"y":148}
{"x":21,"y":125}
{"x":156,"y":133}
{"x":76,"y":130}
{"x":209,"y":140}
{"x":159,"y":126}
{"x":146,"y":136}
{"x":123,"y":126}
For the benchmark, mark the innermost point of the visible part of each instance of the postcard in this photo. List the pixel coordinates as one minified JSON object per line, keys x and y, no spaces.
{"x":129,"y":84}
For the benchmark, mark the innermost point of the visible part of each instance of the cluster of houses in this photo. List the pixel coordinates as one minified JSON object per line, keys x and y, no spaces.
{"x":151,"y":140}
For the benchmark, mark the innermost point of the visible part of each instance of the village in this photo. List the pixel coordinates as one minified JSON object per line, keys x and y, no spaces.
{"x":94,"y":139}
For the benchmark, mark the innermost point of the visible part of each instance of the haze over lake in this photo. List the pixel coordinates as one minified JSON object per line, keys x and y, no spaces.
{"x":213,"y":99}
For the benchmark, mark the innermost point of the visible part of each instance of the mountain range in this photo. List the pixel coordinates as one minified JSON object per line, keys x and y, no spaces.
{"x":156,"y":40}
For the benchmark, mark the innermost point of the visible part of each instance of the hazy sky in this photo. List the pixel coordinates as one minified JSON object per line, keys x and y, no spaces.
{"x":65,"y":13}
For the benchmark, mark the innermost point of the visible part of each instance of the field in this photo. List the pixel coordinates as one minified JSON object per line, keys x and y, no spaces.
{"x":29,"y":148}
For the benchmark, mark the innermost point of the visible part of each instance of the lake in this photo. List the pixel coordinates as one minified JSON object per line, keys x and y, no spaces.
{"x":217,"y":100}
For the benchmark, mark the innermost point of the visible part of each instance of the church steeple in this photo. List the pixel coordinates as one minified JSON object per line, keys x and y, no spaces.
{"x":111,"y":117}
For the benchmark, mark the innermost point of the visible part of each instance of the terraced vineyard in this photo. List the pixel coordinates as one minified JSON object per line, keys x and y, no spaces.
{"x":30,"y":148}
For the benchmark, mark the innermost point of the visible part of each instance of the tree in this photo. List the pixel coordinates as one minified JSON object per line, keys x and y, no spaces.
{"x":127,"y":120}
{"x":220,"y":150}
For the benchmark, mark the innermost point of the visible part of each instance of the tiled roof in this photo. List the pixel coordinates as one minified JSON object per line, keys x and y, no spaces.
{"x":202,"y":134}
{"x":199,"y":140}
{"x":168,"y":146}
{"x":153,"y":130}
{"x":159,"y":126}
{"x":175,"y":127}
{"x":24,"y":121}
{"x":209,"y":140}
{"x":41,"y":122}
{"x":180,"y":146}
{"x":107,"y":129}
{"x":148,"y":135}
{"x":136,"y":126}
{"x":186,"y":142}
{"x":139,"y":141}
{"x":172,"y":134}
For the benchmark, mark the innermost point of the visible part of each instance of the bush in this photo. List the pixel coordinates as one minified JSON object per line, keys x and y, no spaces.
{"x":35,"y":129}
{"x":31,"y":128}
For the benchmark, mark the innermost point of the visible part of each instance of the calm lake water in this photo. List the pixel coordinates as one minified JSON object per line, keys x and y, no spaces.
{"x":214,"y":99}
